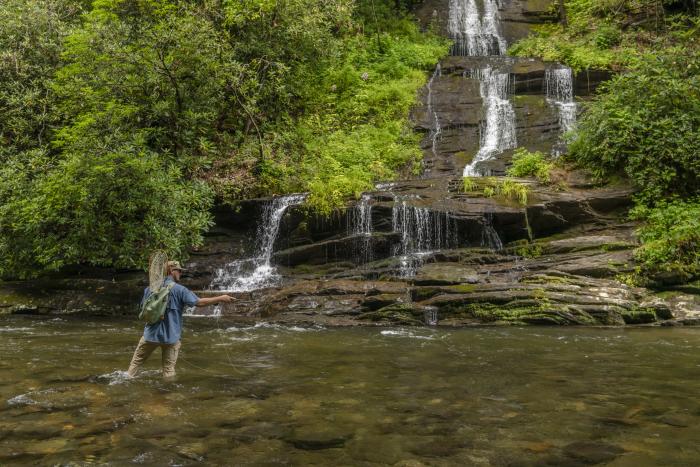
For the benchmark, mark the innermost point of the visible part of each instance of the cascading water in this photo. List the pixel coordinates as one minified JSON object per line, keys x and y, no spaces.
{"x":422,"y":231}
{"x":559,"y":88}
{"x":499,"y":132}
{"x":257,"y":272}
{"x":489,"y":236}
{"x":436,"y":130}
{"x":475,"y":33}
{"x":360,"y":227}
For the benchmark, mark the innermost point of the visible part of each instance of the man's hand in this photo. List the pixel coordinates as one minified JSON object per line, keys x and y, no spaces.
{"x":225,"y":298}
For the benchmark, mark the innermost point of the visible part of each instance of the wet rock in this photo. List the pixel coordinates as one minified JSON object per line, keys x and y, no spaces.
{"x":399,"y":313}
{"x":317,"y":438}
{"x":445,"y":274}
{"x":678,"y":420}
{"x":592,"y":452}
{"x":376,"y":302}
{"x":385,"y":450}
{"x":437,"y":447}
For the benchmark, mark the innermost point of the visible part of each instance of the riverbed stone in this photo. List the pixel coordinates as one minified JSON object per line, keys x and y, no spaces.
{"x":593,"y":452}
{"x":312,"y":438}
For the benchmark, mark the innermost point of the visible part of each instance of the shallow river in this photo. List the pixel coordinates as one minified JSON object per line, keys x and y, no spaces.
{"x":268,"y":395}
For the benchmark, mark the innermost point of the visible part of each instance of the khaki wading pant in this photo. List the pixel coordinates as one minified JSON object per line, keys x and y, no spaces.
{"x":145,"y":349}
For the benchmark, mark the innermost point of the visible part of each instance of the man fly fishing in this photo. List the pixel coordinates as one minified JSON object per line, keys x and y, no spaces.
{"x":164,"y":301}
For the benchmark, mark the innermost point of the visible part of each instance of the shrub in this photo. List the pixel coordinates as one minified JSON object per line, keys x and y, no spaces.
{"x":670,"y":239}
{"x":531,"y":164}
{"x":645,"y":124}
{"x":108,"y":209}
{"x":607,"y":36}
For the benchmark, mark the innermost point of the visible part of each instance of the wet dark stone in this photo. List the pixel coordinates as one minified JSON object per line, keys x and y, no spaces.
{"x":439,"y":447}
{"x":591,"y":452}
{"x":677,"y":420}
{"x":316,"y":444}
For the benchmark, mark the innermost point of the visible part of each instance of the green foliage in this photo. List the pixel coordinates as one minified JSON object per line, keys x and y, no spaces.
{"x":671,"y":240}
{"x":120,"y":120}
{"x":510,"y":189}
{"x":469,"y":184}
{"x":31,"y":40}
{"x":529,"y":250}
{"x":110,"y":209}
{"x":354,"y":131}
{"x":645,"y":124}
{"x":611,"y":34}
{"x":531,"y":164}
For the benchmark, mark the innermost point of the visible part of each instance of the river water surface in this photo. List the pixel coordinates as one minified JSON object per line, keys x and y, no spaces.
{"x":270,"y":395}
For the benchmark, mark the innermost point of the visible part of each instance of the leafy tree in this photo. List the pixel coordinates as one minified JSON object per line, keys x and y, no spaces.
{"x":31,"y":41}
{"x":109,"y":209}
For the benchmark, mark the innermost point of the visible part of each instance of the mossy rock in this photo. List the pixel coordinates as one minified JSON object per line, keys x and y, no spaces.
{"x":400,"y":313}
{"x":640,"y":316}
{"x":423,"y":293}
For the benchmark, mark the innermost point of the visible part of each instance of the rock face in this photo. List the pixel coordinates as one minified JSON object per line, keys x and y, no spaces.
{"x":552,"y":261}
{"x":457,"y":106}
{"x":451,"y":111}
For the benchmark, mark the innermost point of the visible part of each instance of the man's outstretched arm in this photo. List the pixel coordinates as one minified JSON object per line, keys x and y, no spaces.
{"x":214,"y":300}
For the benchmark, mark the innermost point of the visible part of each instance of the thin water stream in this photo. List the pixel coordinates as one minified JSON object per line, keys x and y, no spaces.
{"x":264,"y":395}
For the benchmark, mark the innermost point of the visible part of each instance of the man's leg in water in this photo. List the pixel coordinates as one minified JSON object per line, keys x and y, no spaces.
{"x":142,"y":352}
{"x":170,"y":359}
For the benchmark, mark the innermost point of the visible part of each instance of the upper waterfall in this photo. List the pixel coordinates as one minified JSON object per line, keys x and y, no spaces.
{"x":476,"y":33}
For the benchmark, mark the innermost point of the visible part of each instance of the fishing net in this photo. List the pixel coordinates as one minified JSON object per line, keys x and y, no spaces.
{"x":156,"y":270}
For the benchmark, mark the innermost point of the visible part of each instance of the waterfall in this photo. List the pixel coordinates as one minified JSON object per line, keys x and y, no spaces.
{"x":257,"y":272}
{"x":475,"y":33}
{"x":430,"y":316}
{"x":489,"y":236}
{"x":436,"y":130}
{"x":360,"y":227}
{"x":499,"y":132}
{"x":422,"y":231}
{"x":559,"y":88}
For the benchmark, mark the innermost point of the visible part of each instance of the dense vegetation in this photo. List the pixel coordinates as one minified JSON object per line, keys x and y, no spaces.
{"x":644,"y":124}
{"x":122,"y":120}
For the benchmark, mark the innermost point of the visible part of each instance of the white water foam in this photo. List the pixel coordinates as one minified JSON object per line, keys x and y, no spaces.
{"x":475,"y":33}
{"x":559,"y":88}
{"x":499,"y":133}
{"x":422,"y":232}
{"x":436,"y":130}
{"x":359,"y":226}
{"x":405,"y":333}
{"x":274,"y":326}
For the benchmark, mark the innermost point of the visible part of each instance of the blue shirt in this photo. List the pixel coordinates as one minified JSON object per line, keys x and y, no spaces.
{"x":169,"y":329}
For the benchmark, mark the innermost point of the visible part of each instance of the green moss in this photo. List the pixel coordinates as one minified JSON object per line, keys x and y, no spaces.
{"x":396,"y":314}
{"x":531,"y":250}
{"x":423,"y":293}
{"x":462,"y":288}
{"x":640,"y":316}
